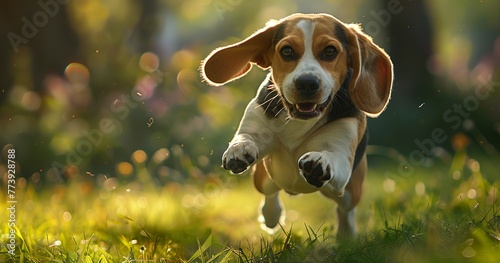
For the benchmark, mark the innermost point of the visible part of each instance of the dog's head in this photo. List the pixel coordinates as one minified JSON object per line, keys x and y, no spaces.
{"x":310,"y":56}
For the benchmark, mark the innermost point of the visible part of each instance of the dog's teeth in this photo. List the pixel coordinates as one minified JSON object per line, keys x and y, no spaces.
{"x":307,"y":108}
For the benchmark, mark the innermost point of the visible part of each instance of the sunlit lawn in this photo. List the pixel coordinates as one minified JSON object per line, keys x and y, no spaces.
{"x":427,"y":217}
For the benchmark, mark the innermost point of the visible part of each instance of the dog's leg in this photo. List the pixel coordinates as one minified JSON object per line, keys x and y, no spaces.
{"x":271,"y":207}
{"x":346,"y":209}
{"x":250,"y":142}
{"x":327,"y":164}
{"x":329,"y":155}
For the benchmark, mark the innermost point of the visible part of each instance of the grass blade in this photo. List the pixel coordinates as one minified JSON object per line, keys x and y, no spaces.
{"x":199,"y":253}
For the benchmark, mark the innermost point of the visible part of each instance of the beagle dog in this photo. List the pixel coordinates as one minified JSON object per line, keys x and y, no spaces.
{"x":305,"y":130}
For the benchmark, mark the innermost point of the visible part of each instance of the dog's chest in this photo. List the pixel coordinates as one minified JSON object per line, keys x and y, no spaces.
{"x":295,"y":133}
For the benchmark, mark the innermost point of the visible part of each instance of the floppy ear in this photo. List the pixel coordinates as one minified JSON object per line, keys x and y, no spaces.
{"x":232,"y":62}
{"x":371,"y":82}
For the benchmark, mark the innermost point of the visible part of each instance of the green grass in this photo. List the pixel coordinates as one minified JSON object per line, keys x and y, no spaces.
{"x":430,"y":216}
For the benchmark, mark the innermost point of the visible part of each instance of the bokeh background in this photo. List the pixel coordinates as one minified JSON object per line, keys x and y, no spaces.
{"x":90,"y":88}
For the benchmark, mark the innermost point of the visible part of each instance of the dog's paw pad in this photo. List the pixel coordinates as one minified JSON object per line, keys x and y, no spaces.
{"x":315,"y":169}
{"x":239,"y":157}
{"x":239,"y":165}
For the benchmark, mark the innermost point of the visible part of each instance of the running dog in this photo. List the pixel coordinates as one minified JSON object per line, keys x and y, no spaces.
{"x":305,"y":130}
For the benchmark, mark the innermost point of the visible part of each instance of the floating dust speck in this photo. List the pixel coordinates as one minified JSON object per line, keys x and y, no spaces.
{"x":150,"y":122}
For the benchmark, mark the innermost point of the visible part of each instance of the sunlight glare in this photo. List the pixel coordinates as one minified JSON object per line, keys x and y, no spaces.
{"x":149,"y":61}
{"x":110,"y":184}
{"x":161,"y":155}
{"x":468,"y":252}
{"x":139,"y":156}
{"x":77,"y":74}
{"x":57,"y":243}
{"x":124,"y":168}
{"x":184,"y":79}
{"x":67,"y":216}
{"x":188,"y":200}
{"x":389,"y":185}
{"x":203,"y":161}
{"x":457,"y":175}
{"x":471,"y":194}
{"x":31,"y":101}
{"x":201,"y":200}
{"x":474,"y":165}
{"x":420,"y":188}
{"x":22,"y":183}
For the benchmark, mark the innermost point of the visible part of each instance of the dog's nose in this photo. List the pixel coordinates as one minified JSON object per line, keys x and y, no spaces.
{"x":307,"y":85}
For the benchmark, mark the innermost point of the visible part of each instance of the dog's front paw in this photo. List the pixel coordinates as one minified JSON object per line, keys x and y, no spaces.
{"x":239,"y":156}
{"x":315,"y":169}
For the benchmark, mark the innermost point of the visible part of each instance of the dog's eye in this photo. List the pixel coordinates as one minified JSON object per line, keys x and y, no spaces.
{"x":287,"y":52}
{"x":329,"y":53}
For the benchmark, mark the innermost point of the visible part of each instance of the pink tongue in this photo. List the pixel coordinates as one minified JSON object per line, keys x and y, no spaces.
{"x":306,"y":107}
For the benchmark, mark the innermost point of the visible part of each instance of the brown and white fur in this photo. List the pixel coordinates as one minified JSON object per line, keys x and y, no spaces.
{"x":305,"y":131}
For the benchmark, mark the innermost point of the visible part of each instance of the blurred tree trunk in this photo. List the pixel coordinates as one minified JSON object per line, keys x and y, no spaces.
{"x":45,"y":30}
{"x":410,"y":40}
{"x":148,"y":26}
{"x":411,"y":44}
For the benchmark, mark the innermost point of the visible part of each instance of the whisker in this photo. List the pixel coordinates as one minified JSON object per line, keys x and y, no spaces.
{"x":267,"y":101}
{"x":282,"y":108}
{"x":271,"y":103}
{"x":337,"y":97}
{"x":338,"y":100}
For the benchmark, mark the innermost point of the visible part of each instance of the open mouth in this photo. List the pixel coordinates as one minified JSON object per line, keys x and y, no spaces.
{"x":306,"y":110}
{"x":306,"y":107}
